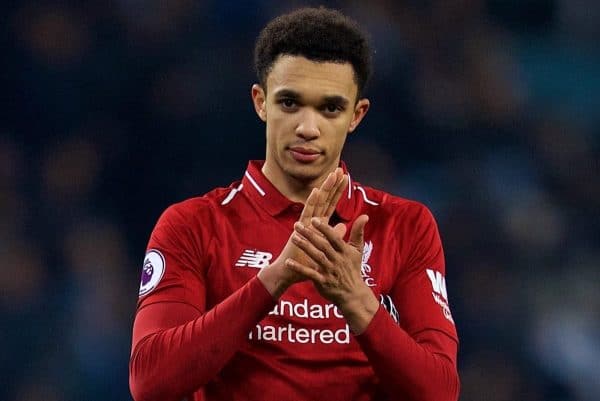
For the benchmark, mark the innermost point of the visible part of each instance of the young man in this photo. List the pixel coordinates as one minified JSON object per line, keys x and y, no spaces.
{"x":277,"y":288}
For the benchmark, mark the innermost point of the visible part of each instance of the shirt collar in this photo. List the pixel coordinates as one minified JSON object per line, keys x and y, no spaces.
{"x":264,"y":193}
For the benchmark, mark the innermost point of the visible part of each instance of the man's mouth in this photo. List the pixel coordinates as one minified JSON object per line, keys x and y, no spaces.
{"x":303,"y":154}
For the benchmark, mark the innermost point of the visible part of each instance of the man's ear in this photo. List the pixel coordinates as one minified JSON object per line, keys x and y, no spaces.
{"x":360,"y":110}
{"x":259,"y":98}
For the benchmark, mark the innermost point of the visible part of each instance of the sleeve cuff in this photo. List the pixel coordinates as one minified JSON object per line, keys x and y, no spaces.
{"x":259,"y":293}
{"x":375,"y":325}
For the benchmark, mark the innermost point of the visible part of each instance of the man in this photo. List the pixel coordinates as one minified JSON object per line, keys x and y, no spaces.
{"x":277,"y":288}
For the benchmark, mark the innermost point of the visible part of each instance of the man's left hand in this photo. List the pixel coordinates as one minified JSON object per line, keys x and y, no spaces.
{"x":338,"y":276}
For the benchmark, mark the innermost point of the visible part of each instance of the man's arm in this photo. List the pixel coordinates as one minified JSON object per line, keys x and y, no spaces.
{"x":418,"y":367}
{"x":178,"y":347}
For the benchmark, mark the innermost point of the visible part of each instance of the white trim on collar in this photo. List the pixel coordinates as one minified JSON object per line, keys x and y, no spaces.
{"x":349,"y":186}
{"x":254,"y":184}
{"x":232,"y":194}
{"x":364,"y":194}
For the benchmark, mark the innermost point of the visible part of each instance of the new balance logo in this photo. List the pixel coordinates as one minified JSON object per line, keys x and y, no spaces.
{"x":255,"y":259}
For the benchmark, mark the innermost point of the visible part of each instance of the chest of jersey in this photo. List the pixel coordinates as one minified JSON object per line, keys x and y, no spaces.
{"x":243,"y":245}
{"x":247,"y":242}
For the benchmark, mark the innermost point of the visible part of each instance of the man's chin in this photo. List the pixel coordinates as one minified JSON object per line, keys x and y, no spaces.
{"x":305,"y":174}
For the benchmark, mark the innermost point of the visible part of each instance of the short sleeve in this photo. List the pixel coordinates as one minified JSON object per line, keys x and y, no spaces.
{"x":172,"y":267}
{"x":420,"y":290}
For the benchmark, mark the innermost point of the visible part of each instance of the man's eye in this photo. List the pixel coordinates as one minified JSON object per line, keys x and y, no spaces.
{"x":332,"y":108}
{"x":288,"y":103}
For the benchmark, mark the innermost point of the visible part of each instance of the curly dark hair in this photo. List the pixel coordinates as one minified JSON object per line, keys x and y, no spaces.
{"x":319,"y":34}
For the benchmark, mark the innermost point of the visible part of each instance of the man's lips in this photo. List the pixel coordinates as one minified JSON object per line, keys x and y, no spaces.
{"x":304,"y":155}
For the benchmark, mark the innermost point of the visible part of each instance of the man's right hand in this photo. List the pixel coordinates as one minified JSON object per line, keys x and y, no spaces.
{"x":321,"y":203}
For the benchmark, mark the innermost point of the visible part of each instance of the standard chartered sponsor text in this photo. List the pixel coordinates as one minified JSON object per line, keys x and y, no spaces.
{"x":294,"y":334}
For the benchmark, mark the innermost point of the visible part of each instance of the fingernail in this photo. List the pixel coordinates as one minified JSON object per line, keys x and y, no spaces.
{"x":315,"y":221}
{"x":299,"y":225}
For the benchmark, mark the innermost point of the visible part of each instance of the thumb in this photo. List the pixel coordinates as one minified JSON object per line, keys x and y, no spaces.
{"x":357,"y":232}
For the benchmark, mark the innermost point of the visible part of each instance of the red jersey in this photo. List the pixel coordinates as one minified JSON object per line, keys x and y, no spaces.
{"x":221,"y":336}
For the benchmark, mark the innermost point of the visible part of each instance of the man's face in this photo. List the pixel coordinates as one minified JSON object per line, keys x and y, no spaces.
{"x":309,"y":108}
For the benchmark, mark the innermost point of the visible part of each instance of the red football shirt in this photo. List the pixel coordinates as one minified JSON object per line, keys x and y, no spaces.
{"x":215,"y":333}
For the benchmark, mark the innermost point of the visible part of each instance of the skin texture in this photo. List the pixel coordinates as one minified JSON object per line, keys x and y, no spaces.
{"x":309,"y":109}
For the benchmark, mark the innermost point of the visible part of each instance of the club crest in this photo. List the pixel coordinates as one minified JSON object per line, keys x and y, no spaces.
{"x":365,"y":267}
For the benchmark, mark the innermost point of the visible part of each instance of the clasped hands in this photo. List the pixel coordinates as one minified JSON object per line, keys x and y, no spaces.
{"x":318,"y":252}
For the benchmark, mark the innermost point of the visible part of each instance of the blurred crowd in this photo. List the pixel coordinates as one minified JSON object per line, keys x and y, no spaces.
{"x":484,"y":110}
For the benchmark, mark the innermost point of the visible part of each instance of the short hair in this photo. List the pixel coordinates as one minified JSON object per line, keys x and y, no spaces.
{"x":319,"y":34}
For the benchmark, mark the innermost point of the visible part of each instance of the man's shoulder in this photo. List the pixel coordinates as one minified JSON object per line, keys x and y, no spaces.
{"x":403,"y":212}
{"x":205,"y":205}
{"x":390,"y":202}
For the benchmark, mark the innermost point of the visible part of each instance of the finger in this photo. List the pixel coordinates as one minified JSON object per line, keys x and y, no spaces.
{"x":333,"y":201}
{"x":330,"y":181}
{"x":325,"y":190}
{"x":357,"y":232}
{"x":316,"y":239}
{"x":332,"y":236}
{"x":315,"y":255}
{"x":309,"y":205}
{"x":340,"y":229}
{"x":338,"y":173}
{"x":304,"y":271}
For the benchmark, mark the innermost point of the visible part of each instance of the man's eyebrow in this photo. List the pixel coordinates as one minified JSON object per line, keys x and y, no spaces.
{"x":337,"y":100}
{"x":287,"y":93}
{"x":332,"y":99}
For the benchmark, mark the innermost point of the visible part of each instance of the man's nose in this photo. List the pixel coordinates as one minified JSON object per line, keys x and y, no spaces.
{"x":308,"y":128}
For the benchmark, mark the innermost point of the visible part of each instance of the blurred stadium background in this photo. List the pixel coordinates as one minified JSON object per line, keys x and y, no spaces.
{"x":485,"y":110}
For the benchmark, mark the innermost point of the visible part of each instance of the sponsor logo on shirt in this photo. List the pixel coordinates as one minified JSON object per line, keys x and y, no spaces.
{"x":152,"y":271}
{"x":288,"y":324}
{"x":254,"y":258}
{"x":365,"y":268}
{"x":439,"y":293}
